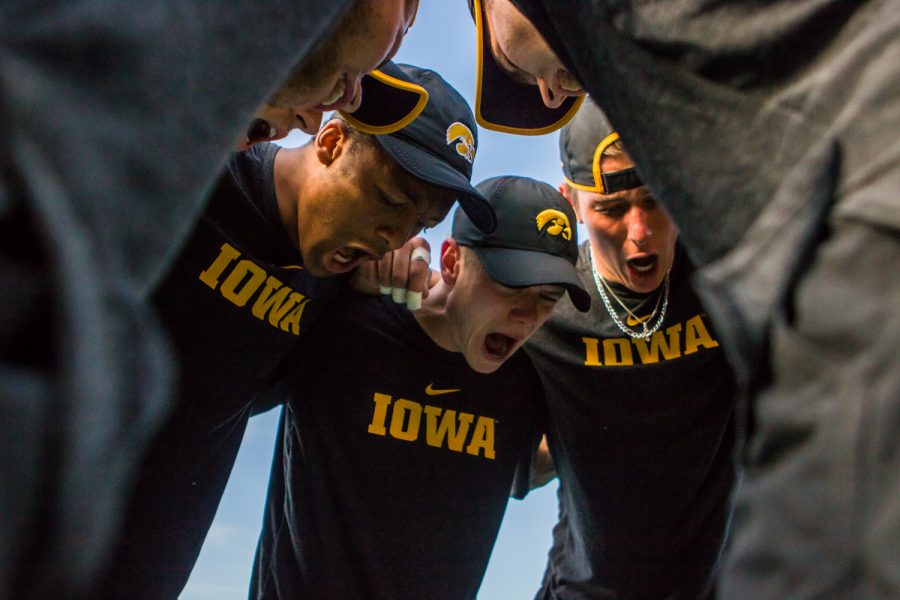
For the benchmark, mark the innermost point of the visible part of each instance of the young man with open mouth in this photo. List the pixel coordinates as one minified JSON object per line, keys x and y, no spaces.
{"x":403,"y":431}
{"x":368,"y":36}
{"x":101,"y":102}
{"x":639,"y":395}
{"x":768,"y":131}
{"x":282,"y":233}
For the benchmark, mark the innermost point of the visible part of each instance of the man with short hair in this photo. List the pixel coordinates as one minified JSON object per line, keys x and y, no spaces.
{"x":100,"y":101}
{"x":639,"y":395}
{"x":332,"y":78}
{"x":282,"y":233}
{"x":768,"y":132}
{"x":512,"y":59}
{"x":403,"y":431}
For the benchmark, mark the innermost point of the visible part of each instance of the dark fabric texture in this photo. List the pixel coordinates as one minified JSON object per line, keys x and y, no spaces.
{"x":642,"y":437}
{"x":394,"y":464}
{"x":234,"y":304}
{"x":759,"y":120}
{"x":767,"y":130}
{"x":100,"y":102}
{"x":818,"y":513}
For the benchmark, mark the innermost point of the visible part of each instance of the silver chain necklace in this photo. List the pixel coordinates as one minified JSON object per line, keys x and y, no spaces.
{"x":602,"y":285}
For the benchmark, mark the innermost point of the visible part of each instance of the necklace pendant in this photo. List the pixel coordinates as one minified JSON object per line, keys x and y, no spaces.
{"x":647,"y":332}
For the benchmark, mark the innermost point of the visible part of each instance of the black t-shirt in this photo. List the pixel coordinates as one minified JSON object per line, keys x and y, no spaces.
{"x":775,"y":85}
{"x":395,"y":462}
{"x":642,"y":435}
{"x":238,"y":298}
{"x":235,"y":303}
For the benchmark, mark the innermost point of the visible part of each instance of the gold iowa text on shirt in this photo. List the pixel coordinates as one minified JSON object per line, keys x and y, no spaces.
{"x":444,"y":428}
{"x":276,"y":304}
{"x":669,"y":344}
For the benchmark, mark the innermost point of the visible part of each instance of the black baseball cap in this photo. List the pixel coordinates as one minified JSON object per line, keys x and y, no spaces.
{"x":436,"y":145}
{"x":390,"y":101}
{"x":582,"y":143}
{"x":535,"y":242}
{"x":506,"y":105}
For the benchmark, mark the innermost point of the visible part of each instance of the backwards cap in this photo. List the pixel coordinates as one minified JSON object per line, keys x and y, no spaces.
{"x":581,"y":146}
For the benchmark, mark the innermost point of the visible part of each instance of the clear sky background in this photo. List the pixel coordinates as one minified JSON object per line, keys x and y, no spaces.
{"x":443,"y":39}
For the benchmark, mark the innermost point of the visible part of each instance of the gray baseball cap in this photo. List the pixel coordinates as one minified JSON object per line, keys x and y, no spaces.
{"x":535,"y":242}
{"x":582,"y":143}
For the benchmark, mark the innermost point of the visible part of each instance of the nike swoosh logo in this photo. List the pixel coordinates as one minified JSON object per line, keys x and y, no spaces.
{"x":631,"y":321}
{"x":430,"y":391}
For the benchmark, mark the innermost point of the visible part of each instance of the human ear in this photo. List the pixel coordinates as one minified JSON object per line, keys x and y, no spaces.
{"x":569,"y":194}
{"x":451,"y":261}
{"x":330,"y":142}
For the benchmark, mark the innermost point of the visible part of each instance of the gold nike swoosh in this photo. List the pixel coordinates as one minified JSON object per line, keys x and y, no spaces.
{"x":430,"y":391}
{"x":631,"y":321}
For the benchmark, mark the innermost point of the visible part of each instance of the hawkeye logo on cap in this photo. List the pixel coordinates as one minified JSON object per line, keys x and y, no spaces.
{"x":465,"y":147}
{"x":554,"y":222}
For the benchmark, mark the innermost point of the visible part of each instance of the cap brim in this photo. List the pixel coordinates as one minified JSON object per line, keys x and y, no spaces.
{"x":524,"y":268}
{"x":505,"y":105}
{"x":389,"y":102}
{"x":426,"y":166}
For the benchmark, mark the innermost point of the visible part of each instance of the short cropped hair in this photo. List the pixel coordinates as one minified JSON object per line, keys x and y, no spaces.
{"x":615,"y":150}
{"x":361,"y":138}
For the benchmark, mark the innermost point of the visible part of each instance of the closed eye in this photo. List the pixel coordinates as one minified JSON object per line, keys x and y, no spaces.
{"x":552,"y":295}
{"x":611,"y":209}
{"x":391,"y":201}
{"x":512,"y":71}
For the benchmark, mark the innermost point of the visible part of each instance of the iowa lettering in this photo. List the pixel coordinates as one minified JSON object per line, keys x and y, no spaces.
{"x":276,"y":304}
{"x":664,"y":345}
{"x":402,"y":420}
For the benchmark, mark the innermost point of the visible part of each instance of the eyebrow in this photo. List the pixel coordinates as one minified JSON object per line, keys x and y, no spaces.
{"x":517,"y":74}
{"x":400,"y":193}
{"x":623,"y":196}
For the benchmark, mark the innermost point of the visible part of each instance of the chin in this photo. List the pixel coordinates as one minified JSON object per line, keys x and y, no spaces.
{"x":316,"y":270}
{"x":484,"y":369}
{"x":480,"y":365}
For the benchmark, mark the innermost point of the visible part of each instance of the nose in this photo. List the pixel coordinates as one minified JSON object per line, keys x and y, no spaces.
{"x":525,"y":310}
{"x":395,"y":235}
{"x":552,"y":97}
{"x":308,"y":121}
{"x":638,"y":226}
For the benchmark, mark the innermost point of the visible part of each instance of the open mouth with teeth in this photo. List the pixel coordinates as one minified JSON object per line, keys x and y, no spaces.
{"x":499,"y":346}
{"x":341,"y":94}
{"x":346,"y":259}
{"x":642,"y":264}
{"x":260,"y":130}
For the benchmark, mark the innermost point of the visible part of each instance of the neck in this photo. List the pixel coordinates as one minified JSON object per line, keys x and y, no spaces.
{"x":433,"y":318}
{"x":289,"y":169}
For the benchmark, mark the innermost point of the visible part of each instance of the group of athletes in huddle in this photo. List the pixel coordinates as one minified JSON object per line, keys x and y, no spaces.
{"x":411,"y":416}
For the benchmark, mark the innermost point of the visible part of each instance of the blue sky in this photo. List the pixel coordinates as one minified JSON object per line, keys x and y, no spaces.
{"x":443,"y":39}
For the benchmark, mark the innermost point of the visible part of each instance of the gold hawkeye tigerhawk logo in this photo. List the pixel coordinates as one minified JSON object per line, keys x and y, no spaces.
{"x":465,"y":146}
{"x":554,"y":222}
